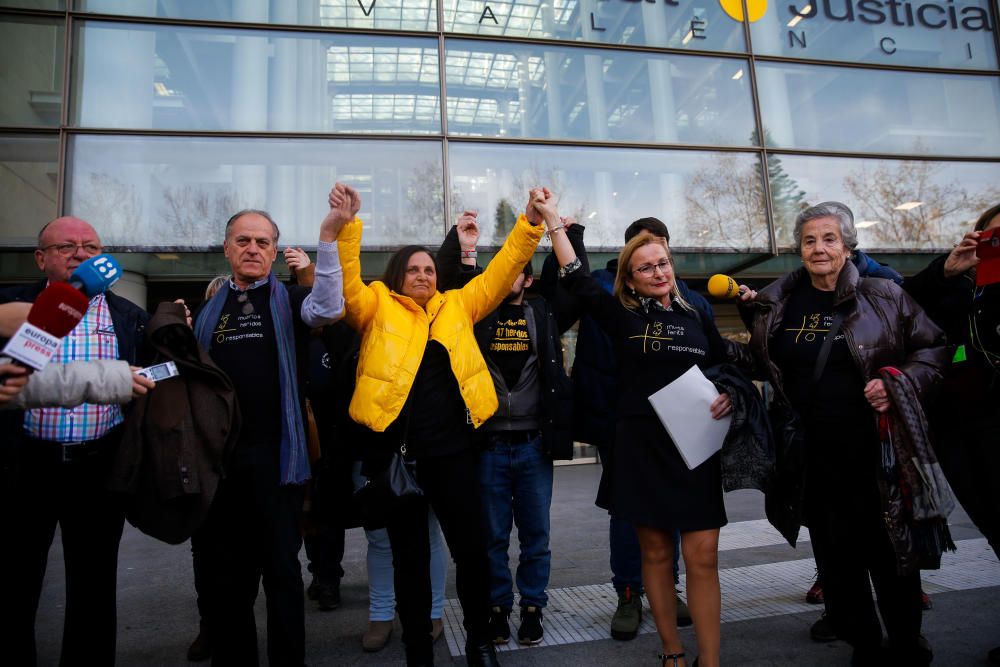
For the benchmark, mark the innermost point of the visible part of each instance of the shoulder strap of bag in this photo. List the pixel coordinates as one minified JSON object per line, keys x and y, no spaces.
{"x":824,"y":351}
{"x":404,"y":436}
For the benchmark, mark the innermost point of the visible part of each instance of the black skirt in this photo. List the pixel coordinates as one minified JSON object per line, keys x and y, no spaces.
{"x":652,"y":486}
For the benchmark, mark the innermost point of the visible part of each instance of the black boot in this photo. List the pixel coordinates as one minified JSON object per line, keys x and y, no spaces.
{"x":482,"y":655}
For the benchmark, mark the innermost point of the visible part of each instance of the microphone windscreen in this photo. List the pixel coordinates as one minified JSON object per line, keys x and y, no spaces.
{"x":96,"y":275}
{"x":57,"y":309}
{"x":722,"y":286}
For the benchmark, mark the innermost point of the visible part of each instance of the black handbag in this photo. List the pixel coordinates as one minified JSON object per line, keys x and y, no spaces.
{"x":401,"y":475}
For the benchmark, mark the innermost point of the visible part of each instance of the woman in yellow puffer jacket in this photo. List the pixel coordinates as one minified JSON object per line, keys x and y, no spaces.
{"x":422,"y":380}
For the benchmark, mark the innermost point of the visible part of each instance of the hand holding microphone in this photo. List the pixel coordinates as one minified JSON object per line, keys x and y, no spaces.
{"x":722,"y":286}
{"x":58,"y":309}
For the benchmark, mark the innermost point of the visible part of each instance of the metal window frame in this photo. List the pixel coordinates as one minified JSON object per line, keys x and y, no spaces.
{"x":72,"y":16}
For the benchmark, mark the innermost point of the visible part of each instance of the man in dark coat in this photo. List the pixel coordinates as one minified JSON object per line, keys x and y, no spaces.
{"x":257,"y":330}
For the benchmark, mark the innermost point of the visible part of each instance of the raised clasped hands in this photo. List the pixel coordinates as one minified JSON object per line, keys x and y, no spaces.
{"x":542,"y":207}
{"x":468,"y":230}
{"x":345,"y":202}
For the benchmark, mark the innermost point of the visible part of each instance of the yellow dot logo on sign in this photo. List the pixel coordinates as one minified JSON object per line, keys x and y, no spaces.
{"x":734,"y":8}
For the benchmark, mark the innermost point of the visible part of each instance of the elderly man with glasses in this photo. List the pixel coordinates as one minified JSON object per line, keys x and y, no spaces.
{"x":54,"y":465}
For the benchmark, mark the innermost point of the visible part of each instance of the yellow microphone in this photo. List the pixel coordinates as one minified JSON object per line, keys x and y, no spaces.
{"x":722,"y":286}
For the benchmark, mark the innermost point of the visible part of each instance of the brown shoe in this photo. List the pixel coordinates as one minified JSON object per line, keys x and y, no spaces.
{"x":201,"y":648}
{"x":376,"y":636}
{"x":437,"y":629}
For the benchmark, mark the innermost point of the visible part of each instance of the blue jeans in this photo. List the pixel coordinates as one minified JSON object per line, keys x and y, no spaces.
{"x":516,"y":478}
{"x":381,"y":590}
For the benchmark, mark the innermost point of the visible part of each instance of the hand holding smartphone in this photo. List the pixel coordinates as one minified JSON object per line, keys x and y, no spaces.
{"x":988,"y":252}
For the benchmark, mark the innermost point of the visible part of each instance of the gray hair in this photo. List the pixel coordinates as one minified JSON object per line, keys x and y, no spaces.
{"x":828,"y":209}
{"x":253,"y":211}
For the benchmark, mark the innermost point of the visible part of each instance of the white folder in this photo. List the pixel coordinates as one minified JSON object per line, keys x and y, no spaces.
{"x":683,"y":407}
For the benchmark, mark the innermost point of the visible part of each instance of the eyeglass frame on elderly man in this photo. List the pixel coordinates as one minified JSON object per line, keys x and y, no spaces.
{"x":69,"y":249}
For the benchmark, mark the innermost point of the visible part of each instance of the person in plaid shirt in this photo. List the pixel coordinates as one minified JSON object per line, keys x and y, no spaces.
{"x":54,"y":465}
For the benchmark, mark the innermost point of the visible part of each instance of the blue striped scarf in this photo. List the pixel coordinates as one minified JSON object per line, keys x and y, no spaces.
{"x":294,"y":454}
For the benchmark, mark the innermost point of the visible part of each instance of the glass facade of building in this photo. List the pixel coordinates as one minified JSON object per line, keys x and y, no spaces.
{"x":156,"y":119}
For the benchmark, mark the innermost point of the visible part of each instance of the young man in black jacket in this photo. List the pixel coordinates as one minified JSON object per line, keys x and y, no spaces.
{"x":531,"y":427}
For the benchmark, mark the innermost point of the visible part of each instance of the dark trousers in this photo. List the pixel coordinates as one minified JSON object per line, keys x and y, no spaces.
{"x":45,"y":491}
{"x":451,"y":487}
{"x":325,"y":551}
{"x":854,"y":547}
{"x":970,"y":457}
{"x":843,"y":508}
{"x":252,"y":533}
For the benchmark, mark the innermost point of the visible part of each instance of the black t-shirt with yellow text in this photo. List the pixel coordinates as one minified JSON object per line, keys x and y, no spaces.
{"x":839,"y":393}
{"x":510,"y":346}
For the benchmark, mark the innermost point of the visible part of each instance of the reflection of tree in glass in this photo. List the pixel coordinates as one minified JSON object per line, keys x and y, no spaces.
{"x":940,"y":218}
{"x":787,"y":199}
{"x":725,"y":205}
{"x":195,"y":216}
{"x":425,"y":193}
{"x":553,"y":179}
{"x":505,"y":219}
{"x":113,"y":207}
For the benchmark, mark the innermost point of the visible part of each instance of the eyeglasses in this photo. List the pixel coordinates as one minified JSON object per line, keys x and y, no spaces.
{"x":245,"y":300}
{"x":68,"y":249}
{"x":647,"y":269}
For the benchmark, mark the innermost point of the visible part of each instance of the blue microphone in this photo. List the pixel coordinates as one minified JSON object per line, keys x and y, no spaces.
{"x":96,"y":275}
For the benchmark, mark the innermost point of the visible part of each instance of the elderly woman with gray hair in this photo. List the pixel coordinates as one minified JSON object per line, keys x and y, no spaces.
{"x":823,"y":335}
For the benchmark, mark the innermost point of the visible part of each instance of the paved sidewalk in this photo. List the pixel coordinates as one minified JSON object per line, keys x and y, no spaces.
{"x":765,"y":618}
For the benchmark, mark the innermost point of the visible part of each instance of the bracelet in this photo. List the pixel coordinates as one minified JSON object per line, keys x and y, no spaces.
{"x":469,"y":254}
{"x":557,"y":228}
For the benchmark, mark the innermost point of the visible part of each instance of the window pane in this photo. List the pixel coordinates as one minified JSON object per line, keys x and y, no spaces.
{"x":34,"y":4}
{"x":698,"y":24}
{"x":163,"y":77}
{"x":28,"y":172}
{"x":166,"y":192}
{"x":897,"y":204}
{"x":708,"y":200}
{"x":878,"y":111}
{"x":31,"y":71}
{"x":378,"y":14}
{"x":929,"y":33}
{"x":551,"y":92}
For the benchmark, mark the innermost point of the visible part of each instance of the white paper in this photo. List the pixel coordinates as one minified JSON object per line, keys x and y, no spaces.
{"x":683,"y":407}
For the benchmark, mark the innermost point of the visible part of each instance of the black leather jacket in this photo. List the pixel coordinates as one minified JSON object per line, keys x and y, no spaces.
{"x":883,"y":327}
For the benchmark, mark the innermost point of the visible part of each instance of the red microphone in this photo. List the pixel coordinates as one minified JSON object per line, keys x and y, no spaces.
{"x":55,"y":312}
